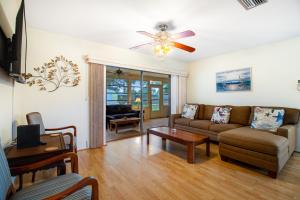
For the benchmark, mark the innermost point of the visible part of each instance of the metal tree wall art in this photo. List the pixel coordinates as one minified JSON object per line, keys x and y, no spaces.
{"x":59,"y":72}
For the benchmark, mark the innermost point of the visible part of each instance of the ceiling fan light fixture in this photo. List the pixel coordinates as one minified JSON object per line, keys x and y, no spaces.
{"x":164,"y":42}
{"x":162,"y":50}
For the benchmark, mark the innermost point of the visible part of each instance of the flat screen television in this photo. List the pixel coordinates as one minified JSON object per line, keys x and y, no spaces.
{"x":18,"y":46}
{"x":4,"y":56}
{"x":13,"y":52}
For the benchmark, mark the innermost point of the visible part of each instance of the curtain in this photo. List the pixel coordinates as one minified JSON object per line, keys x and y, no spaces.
{"x":182,"y":86}
{"x":96,"y":105}
{"x":178,"y":93}
{"x":174,"y":94}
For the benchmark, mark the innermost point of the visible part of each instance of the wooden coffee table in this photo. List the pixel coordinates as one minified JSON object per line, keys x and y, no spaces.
{"x":191,"y":140}
{"x":124,"y":121}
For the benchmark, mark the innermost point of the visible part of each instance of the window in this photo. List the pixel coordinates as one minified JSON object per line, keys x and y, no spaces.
{"x":155,"y":98}
{"x":166,"y":91}
{"x":155,"y":82}
{"x":116,"y":91}
{"x":136,"y":93}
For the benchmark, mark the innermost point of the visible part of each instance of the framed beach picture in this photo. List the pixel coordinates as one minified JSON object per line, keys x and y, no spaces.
{"x":234,"y":80}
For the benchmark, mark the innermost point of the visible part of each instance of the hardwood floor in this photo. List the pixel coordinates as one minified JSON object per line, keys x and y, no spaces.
{"x":129,"y":169}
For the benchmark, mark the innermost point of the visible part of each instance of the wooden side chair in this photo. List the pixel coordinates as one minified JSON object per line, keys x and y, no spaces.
{"x":69,"y":138}
{"x":36,"y":118}
{"x":69,"y":186}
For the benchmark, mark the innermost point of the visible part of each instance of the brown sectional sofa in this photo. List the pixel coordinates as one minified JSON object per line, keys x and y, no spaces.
{"x":238,"y":141}
{"x":239,"y":117}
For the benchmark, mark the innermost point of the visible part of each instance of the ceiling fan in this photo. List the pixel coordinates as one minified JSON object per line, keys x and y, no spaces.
{"x":164,"y":41}
{"x":116,"y":73}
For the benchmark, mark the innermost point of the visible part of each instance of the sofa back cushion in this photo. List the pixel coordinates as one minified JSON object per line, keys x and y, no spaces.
{"x":200,"y":115}
{"x":268,"y":119}
{"x":189,"y":111}
{"x":208,"y":112}
{"x":221,"y":115}
{"x":117,"y":109}
{"x":291,"y":115}
{"x":240,"y":115}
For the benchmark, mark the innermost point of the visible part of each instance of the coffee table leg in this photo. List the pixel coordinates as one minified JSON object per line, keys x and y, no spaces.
{"x":208,"y":148}
{"x":191,"y":153}
{"x":163,"y":141}
{"x":147,"y":137}
{"x":116,"y":127}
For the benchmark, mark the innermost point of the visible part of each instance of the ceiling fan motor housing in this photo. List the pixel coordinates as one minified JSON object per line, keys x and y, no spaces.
{"x":163,"y":27}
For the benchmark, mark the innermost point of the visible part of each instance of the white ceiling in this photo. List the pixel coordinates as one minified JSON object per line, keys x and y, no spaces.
{"x":220,"y":25}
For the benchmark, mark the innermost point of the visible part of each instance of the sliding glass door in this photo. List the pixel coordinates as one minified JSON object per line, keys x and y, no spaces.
{"x":132,"y":94}
{"x":156,"y":106}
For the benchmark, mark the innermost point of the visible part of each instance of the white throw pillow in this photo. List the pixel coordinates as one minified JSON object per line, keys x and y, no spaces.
{"x":269,"y":119}
{"x":189,"y":111}
{"x":221,"y":115}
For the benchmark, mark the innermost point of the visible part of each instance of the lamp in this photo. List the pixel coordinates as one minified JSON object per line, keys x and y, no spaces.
{"x":162,"y":49}
{"x":138,"y":101}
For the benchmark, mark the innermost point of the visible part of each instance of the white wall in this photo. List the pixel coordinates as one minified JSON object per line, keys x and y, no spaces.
{"x":275,"y":71}
{"x":6,"y":107}
{"x":8,"y":10}
{"x":70,"y":105}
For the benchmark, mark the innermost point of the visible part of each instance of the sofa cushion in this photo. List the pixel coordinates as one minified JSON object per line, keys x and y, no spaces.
{"x":240,"y":115}
{"x":223,"y":127}
{"x":254,"y":140}
{"x":117,"y":116}
{"x":130,"y":115}
{"x":208,"y":112}
{"x":291,"y":115}
{"x":267,"y":119}
{"x":189,"y":111}
{"x":201,"y":124}
{"x":221,"y":115}
{"x":183,"y":121}
{"x":53,"y":186}
{"x":200,"y":111}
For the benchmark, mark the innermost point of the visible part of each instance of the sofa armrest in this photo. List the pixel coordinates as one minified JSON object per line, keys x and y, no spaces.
{"x":172,"y":119}
{"x":289,"y":132}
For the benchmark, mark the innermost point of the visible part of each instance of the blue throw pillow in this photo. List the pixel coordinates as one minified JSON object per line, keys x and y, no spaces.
{"x":269,"y":119}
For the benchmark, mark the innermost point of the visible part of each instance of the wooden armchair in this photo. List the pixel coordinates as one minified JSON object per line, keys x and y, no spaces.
{"x":69,"y":186}
{"x":36,"y":118}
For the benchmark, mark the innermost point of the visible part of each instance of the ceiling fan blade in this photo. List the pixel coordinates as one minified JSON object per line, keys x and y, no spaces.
{"x":147,"y":34}
{"x":135,"y":47}
{"x":183,"y":34}
{"x":183,"y":47}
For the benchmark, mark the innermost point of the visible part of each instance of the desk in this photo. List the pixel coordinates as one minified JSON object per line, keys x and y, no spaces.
{"x":19,"y":157}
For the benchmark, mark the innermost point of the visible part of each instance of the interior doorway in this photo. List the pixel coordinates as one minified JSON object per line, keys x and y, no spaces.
{"x":135,"y":101}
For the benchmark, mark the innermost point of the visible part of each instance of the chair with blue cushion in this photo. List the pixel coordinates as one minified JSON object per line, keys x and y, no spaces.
{"x":69,"y":186}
